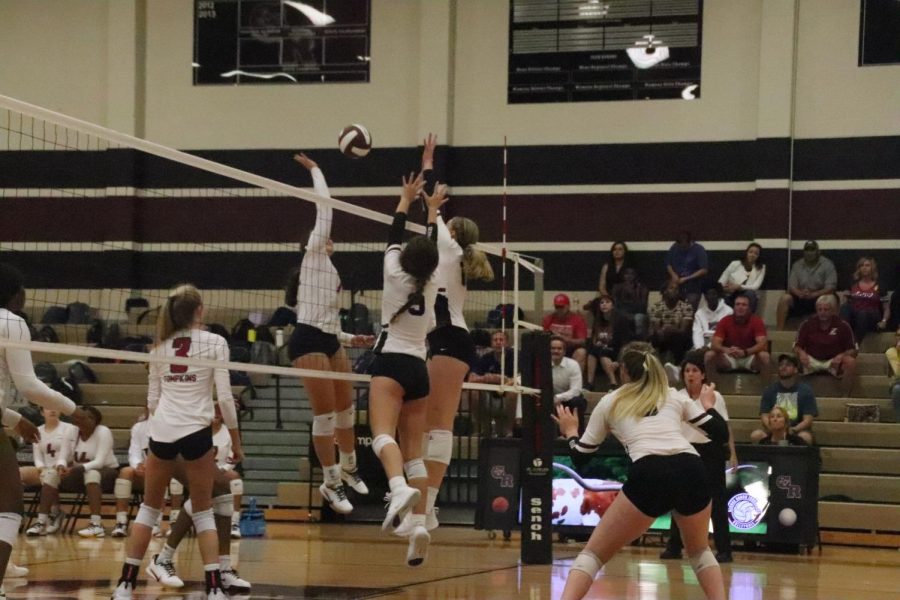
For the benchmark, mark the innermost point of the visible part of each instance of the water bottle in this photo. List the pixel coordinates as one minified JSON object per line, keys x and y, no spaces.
{"x":253,"y":521}
{"x":279,"y":338}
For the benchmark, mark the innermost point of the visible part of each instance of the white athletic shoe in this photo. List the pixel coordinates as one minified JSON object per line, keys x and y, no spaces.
{"x":405,"y":528}
{"x":417,"y":550}
{"x":123,"y":591}
{"x":233,"y":584}
{"x":157,"y":532}
{"x":119,"y":531}
{"x":235,"y":531}
{"x":92,"y":531}
{"x":164,"y":573}
{"x":353,"y":479}
{"x":56,"y":522}
{"x":337,"y":498}
{"x":402,"y":502}
{"x":12,"y":571}
{"x":36,"y":530}
{"x":216,"y":594}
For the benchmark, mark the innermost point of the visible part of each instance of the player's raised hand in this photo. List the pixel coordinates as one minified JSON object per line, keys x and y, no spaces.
{"x":305,"y":161}
{"x":430,"y":144}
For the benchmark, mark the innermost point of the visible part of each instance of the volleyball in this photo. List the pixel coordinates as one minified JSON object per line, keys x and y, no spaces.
{"x":787,"y":517}
{"x":355,"y":141}
{"x":500,"y":504}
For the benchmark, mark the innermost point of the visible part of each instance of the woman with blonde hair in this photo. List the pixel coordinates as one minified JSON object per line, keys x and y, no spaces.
{"x":779,"y":434}
{"x":450,"y":352}
{"x":666,"y":475}
{"x":180,"y":398}
{"x":862,"y":307}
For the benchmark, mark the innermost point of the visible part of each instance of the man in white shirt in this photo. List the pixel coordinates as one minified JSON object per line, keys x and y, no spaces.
{"x":567,"y":380}
{"x":706,"y":318}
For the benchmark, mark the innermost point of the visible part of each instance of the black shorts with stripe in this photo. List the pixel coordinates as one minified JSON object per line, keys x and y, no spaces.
{"x":452,"y":341}
{"x":408,"y":371}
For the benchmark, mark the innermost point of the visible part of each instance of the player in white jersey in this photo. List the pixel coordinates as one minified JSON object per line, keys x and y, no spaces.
{"x":666,"y":475}
{"x":227,"y":485}
{"x":51,"y":456}
{"x":93,"y":469}
{"x":399,"y":385}
{"x":17,"y":373}
{"x":180,"y":398}
{"x":131,"y":477}
{"x":451,"y":350}
{"x":316,"y":343}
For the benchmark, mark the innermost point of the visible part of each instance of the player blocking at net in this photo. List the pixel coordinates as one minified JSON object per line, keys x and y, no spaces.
{"x":316,"y":344}
{"x":180,"y":398}
{"x":17,"y":373}
{"x":400,"y":384}
{"x":450,"y":348}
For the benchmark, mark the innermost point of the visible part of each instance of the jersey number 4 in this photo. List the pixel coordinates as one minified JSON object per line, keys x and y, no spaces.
{"x":181,"y":345}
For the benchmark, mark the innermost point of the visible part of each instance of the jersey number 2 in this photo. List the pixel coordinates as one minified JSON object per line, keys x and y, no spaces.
{"x":181,"y":345}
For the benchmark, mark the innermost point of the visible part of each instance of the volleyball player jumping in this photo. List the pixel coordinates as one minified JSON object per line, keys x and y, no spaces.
{"x":450,"y":348}
{"x":666,"y":475}
{"x":316,"y":344}
{"x":181,"y":406}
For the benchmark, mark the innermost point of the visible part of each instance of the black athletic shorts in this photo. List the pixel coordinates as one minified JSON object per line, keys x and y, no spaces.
{"x":190,"y":447}
{"x":658,"y":484}
{"x":307,"y":339}
{"x":410,"y":372}
{"x":452,"y":341}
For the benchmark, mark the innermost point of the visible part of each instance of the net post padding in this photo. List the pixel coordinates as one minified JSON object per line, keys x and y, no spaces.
{"x":538,"y":435}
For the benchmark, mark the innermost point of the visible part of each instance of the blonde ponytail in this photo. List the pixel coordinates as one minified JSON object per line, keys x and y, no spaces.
{"x":178,"y":311}
{"x":648,"y":388}
{"x":475,"y":264}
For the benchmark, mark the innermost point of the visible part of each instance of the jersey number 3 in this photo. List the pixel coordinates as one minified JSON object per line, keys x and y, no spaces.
{"x":181,"y":345}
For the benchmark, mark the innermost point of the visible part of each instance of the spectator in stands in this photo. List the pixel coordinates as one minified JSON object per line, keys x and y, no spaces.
{"x":706,"y":318}
{"x":609,"y":332}
{"x":714,"y":456}
{"x":687,"y":266}
{"x":779,"y":435}
{"x":744,"y":275}
{"x":630,"y":297}
{"x":568,"y":326}
{"x":862,"y":304}
{"x":94,"y":469}
{"x":825,"y":343}
{"x":794,"y":396}
{"x":566,"y":380}
{"x":670,"y":324}
{"x":811,"y":277}
{"x":52,"y":454}
{"x":613,"y":270}
{"x":739,"y":342}
{"x":487,"y":369}
{"x":891,"y":319}
{"x":893,"y":356}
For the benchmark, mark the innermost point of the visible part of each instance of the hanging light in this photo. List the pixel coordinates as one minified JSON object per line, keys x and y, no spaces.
{"x":648,"y":52}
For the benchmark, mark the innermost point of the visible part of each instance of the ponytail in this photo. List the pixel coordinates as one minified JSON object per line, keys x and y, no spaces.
{"x":178,"y":311}
{"x":648,"y":388}
{"x":416,"y":297}
{"x":475,"y":263}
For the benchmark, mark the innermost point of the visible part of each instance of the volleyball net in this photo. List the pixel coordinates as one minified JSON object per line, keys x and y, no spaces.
{"x":104,"y":225}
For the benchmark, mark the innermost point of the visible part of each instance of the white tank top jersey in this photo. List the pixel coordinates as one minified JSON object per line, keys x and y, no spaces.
{"x":698,"y":436}
{"x":17,"y":372}
{"x":139,"y":446}
{"x":181,"y":397}
{"x":660,"y":434}
{"x":320,"y":285}
{"x":450,"y":282}
{"x":222,"y":444}
{"x":406,"y":335}
{"x":96,"y":452}
{"x":56,"y":447}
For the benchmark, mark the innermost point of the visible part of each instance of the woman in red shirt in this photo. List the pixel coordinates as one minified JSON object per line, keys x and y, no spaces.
{"x":862,"y":305}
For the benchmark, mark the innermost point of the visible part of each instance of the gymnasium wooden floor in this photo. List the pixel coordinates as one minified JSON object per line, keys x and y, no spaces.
{"x":356,"y":561}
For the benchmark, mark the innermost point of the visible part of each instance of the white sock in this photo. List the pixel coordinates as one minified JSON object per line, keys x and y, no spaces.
{"x":397,"y":483}
{"x":225,"y":562}
{"x":417,"y":520}
{"x":43,"y":518}
{"x":96,"y":520}
{"x":430,"y":499}
{"x":166,"y":555}
{"x":348,"y":461}
{"x":332,"y":475}
{"x":236,"y":517}
{"x":121,"y":518}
